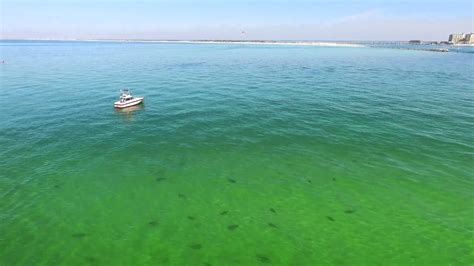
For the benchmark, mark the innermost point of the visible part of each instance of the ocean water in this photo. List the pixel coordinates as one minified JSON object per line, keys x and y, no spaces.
{"x":240,"y":155}
{"x":423,"y":46}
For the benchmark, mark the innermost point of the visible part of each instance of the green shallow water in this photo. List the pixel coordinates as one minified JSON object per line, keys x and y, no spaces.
{"x":241,"y":155}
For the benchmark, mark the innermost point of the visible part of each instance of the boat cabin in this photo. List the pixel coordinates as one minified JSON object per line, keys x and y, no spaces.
{"x":125,"y":96}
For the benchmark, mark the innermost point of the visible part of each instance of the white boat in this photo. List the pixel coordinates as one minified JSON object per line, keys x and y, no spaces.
{"x":126,"y":99}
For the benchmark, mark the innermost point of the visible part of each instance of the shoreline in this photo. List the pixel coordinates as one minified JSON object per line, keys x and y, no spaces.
{"x":290,"y":43}
{"x":242,"y":42}
{"x":340,"y":44}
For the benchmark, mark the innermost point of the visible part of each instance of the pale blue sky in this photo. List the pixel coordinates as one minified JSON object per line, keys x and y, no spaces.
{"x":259,"y":19}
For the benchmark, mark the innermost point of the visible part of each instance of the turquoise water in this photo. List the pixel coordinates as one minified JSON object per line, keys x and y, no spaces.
{"x":241,"y":155}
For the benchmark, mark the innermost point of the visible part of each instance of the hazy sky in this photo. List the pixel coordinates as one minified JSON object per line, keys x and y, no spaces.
{"x":236,"y":19}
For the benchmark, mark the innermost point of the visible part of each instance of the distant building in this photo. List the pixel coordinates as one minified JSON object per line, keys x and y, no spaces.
{"x":461,"y":38}
{"x":469,"y":38}
{"x":456,"y":37}
{"x":414,"y":42}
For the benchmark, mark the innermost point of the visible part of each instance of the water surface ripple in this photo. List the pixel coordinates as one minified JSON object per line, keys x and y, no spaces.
{"x":241,"y":155}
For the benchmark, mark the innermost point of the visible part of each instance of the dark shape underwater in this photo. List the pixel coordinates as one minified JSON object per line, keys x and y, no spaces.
{"x":79,"y":235}
{"x":232,"y":227}
{"x":195,"y":246}
{"x":263,"y":258}
{"x":272,"y":225}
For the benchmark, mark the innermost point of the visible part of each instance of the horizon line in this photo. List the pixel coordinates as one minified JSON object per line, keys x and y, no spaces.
{"x":204,"y":40}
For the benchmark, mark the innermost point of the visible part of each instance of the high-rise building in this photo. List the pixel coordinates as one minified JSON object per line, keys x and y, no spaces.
{"x":469,"y":38}
{"x":456,"y":37}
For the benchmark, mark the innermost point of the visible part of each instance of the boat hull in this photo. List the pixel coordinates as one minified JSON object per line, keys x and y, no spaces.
{"x":133,"y":102}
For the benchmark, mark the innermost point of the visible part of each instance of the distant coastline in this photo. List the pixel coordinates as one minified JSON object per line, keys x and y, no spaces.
{"x":244,"y":42}
{"x":347,"y":43}
{"x":247,"y":42}
{"x":403,"y":45}
{"x":295,"y":43}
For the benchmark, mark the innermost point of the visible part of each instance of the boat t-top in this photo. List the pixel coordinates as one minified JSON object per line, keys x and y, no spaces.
{"x":126,"y":99}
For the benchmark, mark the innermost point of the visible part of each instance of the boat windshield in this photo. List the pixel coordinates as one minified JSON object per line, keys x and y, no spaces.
{"x":128,"y":98}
